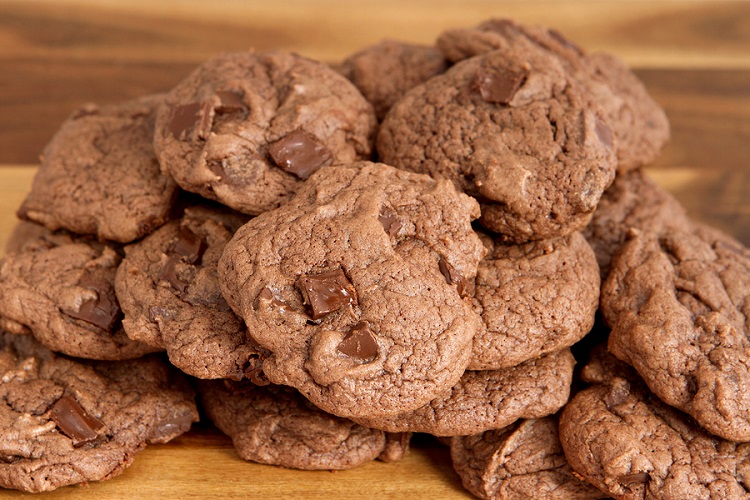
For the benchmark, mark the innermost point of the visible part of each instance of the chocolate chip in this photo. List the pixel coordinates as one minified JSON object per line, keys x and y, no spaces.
{"x":391,"y":223}
{"x":327,"y":292}
{"x":299,"y":153}
{"x":267,"y":297}
{"x":453,"y":277}
{"x":498,"y":85}
{"x":634,"y":480}
{"x":167,"y":429}
{"x":359,"y":343}
{"x":618,"y":393}
{"x":169,"y":273}
{"x":189,"y":246}
{"x":254,"y":370}
{"x":230,"y":101}
{"x":102,"y":311}
{"x":564,"y":41}
{"x":75,"y":422}
{"x":194,"y":118}
{"x":604,"y":133}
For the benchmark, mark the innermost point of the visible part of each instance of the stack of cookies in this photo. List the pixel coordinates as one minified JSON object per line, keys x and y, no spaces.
{"x":335,"y":257}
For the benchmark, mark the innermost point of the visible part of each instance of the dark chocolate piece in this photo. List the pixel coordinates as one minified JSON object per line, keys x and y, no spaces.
{"x":498,"y":85}
{"x":189,"y":118}
{"x":169,"y":273}
{"x":299,"y":153}
{"x":75,"y":422}
{"x":189,"y":246}
{"x":359,"y":343}
{"x":230,"y":101}
{"x":391,"y":223}
{"x":453,"y":277}
{"x":327,"y":292}
{"x":103,"y":311}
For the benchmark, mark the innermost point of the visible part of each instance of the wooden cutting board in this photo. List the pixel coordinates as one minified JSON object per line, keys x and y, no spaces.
{"x":693,"y":56}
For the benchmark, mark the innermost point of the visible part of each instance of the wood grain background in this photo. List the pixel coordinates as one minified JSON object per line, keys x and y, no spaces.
{"x":55,"y":55}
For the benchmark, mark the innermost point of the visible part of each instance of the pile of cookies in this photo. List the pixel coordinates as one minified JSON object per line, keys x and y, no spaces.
{"x":334,"y":257}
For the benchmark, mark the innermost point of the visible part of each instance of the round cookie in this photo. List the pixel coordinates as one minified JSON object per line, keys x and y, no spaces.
{"x":512,"y":129}
{"x":168,"y":288}
{"x":61,"y":287}
{"x":247,"y":128}
{"x":633,"y":201}
{"x":383,"y":72}
{"x":624,"y":440}
{"x":523,"y":460}
{"x":64,"y":422}
{"x":534,"y":299}
{"x":355,"y":287}
{"x":99,"y":174}
{"x":275,"y":425}
{"x":639,"y":125}
{"x":677,"y":305}
{"x":490,"y":399}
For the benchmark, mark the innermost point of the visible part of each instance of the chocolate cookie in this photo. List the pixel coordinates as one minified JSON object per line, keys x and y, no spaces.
{"x":512,"y":129}
{"x":677,"y":305}
{"x":168,"y":288}
{"x":275,"y":425}
{"x":64,"y":422}
{"x":523,"y":460}
{"x":633,"y":201}
{"x":99,"y":174}
{"x":624,"y":440}
{"x":247,"y":128}
{"x":534,"y":299}
{"x":355,"y":287}
{"x":489,"y":399}
{"x":385,"y":71}
{"x":639,"y":125}
{"x":61,"y":287}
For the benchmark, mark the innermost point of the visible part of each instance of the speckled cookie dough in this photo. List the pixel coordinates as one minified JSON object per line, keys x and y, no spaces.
{"x":677,"y":305}
{"x":61,"y":287}
{"x":534,"y":299}
{"x":64,"y":422}
{"x":247,"y":128}
{"x":512,"y":129}
{"x":639,"y":125}
{"x":275,"y":425}
{"x":99,"y":174}
{"x":490,"y":399}
{"x":383,"y":72}
{"x":355,"y":286}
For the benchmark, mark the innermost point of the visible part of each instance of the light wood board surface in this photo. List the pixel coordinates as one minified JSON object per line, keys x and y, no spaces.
{"x":55,"y":55}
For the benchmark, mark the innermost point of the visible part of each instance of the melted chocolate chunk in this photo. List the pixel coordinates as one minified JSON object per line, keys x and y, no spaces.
{"x":299,"y":153}
{"x":75,"y":422}
{"x":453,"y":277}
{"x":169,"y":273}
{"x":254,"y":370}
{"x":327,"y":292}
{"x":267,"y":297}
{"x":170,"y":428}
{"x":191,"y":118}
{"x":391,"y":223}
{"x":359,"y":343}
{"x":189,"y":246}
{"x":498,"y":85}
{"x":618,"y":393}
{"x":102,"y":311}
{"x":634,"y":480}
{"x":231,"y":101}
{"x":604,"y":133}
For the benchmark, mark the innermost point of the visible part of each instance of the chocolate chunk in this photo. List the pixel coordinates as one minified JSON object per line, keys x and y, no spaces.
{"x":299,"y":153}
{"x":359,"y":343}
{"x":189,"y":118}
{"x":102,"y":311}
{"x":327,"y":292}
{"x":564,"y":41}
{"x":169,"y":273}
{"x":166,"y":430}
{"x":266,"y":296}
{"x":634,"y":480}
{"x":498,"y":85}
{"x":189,"y":246}
{"x":604,"y":133}
{"x":254,"y":370}
{"x":391,"y":223}
{"x":453,"y":277}
{"x":618,"y":393}
{"x":75,"y":422}
{"x":230,"y":101}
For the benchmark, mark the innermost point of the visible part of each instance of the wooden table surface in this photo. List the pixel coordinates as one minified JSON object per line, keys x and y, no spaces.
{"x":55,"y":55}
